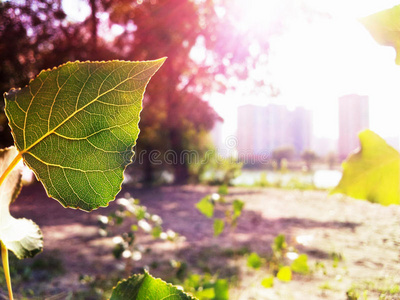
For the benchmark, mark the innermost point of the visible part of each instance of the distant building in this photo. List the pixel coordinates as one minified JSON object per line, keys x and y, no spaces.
{"x":216,"y":135}
{"x":262,"y":129}
{"x":301,"y":129}
{"x":353,"y":117}
{"x":324,"y":146}
{"x":246,"y":130}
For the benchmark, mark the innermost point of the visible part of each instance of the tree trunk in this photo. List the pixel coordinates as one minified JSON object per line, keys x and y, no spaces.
{"x":95,"y":22}
{"x":181,"y":168}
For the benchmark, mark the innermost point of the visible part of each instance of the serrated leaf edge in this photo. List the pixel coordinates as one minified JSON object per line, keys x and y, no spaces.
{"x":30,"y":254}
{"x":146,"y":273}
{"x":81,"y":62}
{"x":161,"y":60}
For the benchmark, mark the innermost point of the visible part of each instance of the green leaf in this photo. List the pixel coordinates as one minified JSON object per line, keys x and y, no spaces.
{"x":279,"y":243}
{"x":21,"y":236}
{"x":146,"y":287}
{"x":219,"y":226}
{"x":254,"y":261}
{"x":75,"y":127}
{"x":207,"y":293}
{"x":206,"y":207}
{"x":237,"y":208}
{"x":221,"y":289}
{"x":284,"y":274}
{"x":373,"y":173}
{"x":300,"y":265}
{"x":384,"y":27}
{"x":156,"y":232}
{"x":268,"y":282}
{"x":223,"y":190}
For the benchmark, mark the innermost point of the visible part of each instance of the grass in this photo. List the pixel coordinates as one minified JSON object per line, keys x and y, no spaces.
{"x":30,"y":275}
{"x":384,"y":288}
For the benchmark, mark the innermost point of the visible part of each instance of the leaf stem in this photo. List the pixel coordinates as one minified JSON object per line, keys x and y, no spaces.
{"x":4,"y":250}
{"x":12,"y":165}
{"x":6,"y":268}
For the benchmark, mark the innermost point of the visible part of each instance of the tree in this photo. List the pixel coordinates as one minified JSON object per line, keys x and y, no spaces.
{"x":284,"y":152}
{"x":309,"y":157}
{"x":177,"y":27}
{"x":37,"y":34}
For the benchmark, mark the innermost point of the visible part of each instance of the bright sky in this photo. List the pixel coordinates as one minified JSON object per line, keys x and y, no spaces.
{"x":314,"y":63}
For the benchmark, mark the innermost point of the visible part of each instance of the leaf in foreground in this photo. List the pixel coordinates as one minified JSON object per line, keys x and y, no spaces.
{"x":21,"y":236}
{"x":384,"y":26}
{"x":373,"y":172}
{"x":75,"y":127}
{"x":144,"y":286}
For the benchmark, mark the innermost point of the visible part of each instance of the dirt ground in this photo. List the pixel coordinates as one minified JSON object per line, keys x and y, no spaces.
{"x":366,"y":236}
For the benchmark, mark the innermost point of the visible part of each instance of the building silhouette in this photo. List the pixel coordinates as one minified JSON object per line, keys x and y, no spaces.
{"x":353,"y":117}
{"x":262,"y":129}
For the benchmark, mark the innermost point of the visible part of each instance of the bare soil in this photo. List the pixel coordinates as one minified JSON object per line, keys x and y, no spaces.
{"x":365,"y":235}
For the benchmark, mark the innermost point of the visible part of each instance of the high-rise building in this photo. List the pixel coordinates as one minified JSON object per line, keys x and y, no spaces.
{"x":262,"y":129}
{"x":301,"y":129}
{"x":246,"y":130}
{"x":353,"y":117}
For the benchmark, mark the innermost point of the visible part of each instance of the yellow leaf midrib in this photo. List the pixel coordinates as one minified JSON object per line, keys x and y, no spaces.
{"x":76,"y":111}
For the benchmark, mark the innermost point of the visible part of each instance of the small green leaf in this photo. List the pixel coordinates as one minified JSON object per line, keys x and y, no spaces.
{"x":223,"y":190}
{"x":21,"y":236}
{"x":206,"y":207}
{"x":156,"y":232}
{"x":373,"y":173}
{"x":279,"y":243}
{"x":207,"y":293}
{"x":300,"y":265}
{"x":221,"y":289}
{"x":218,"y":226}
{"x":268,"y":282}
{"x":284,"y":274}
{"x":384,"y":27}
{"x":75,"y":127}
{"x":146,"y":287}
{"x":254,"y":261}
{"x":237,"y":208}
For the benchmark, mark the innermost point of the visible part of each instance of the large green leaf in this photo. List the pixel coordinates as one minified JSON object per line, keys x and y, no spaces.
{"x":75,"y":127}
{"x":373,"y":172}
{"x":384,"y":26}
{"x":146,"y":287}
{"x":21,"y":236}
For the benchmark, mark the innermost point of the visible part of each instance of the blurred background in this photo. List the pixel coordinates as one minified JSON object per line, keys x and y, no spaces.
{"x":261,"y":85}
{"x":254,"y":93}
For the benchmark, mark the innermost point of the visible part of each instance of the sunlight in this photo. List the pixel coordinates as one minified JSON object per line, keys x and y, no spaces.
{"x":317,"y":58}
{"x":260,"y":13}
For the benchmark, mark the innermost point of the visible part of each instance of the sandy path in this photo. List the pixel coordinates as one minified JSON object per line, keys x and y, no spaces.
{"x":367,"y":236}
